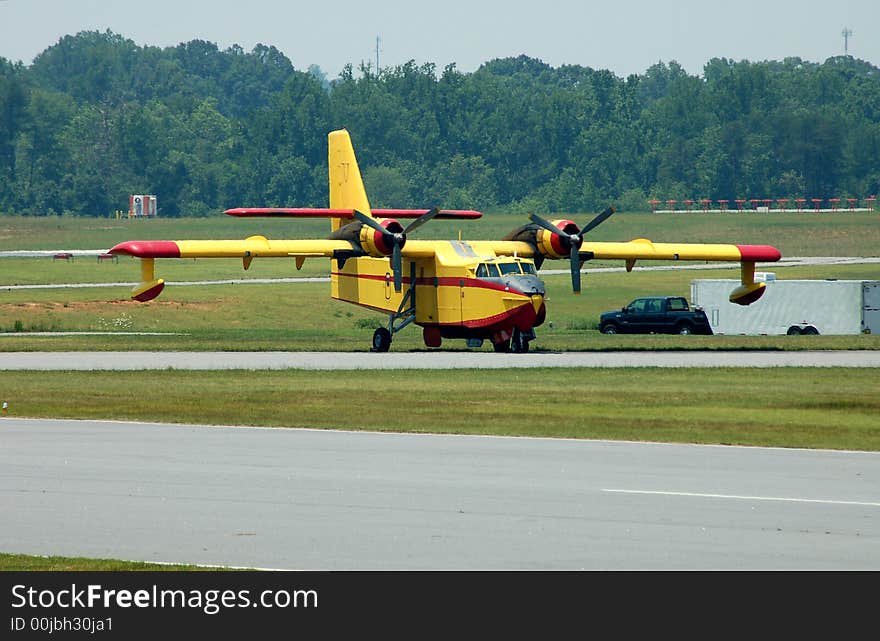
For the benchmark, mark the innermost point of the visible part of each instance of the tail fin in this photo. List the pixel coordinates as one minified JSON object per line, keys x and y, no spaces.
{"x":346,"y":187}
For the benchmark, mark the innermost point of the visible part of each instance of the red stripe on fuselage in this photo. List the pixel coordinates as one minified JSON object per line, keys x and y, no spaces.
{"x":446,"y":281}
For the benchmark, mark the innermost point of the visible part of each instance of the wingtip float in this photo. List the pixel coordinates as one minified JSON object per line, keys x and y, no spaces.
{"x":473,"y":290}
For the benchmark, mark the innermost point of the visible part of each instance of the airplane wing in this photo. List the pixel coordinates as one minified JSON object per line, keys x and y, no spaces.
{"x":247,"y":250}
{"x":642,"y":249}
{"x":251,"y":247}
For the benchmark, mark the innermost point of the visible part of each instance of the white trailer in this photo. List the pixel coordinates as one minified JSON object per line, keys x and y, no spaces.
{"x":792,"y":307}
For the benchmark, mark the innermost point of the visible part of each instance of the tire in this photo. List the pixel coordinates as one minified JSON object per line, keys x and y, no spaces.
{"x":685,"y":329}
{"x":502,"y":347}
{"x":794,"y":330}
{"x":609,"y":328}
{"x":519,"y":344}
{"x":810,"y":331}
{"x":381,"y":340}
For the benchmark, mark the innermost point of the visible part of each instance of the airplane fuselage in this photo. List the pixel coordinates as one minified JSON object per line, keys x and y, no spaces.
{"x":458,"y":293}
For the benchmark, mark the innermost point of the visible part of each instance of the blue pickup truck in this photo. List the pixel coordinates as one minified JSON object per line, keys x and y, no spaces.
{"x":656,"y":315}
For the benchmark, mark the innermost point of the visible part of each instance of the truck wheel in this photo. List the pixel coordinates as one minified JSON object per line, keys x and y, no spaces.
{"x":810,"y":331}
{"x":685,"y":329}
{"x":610,"y":328}
{"x":381,"y":340}
{"x":794,"y":330}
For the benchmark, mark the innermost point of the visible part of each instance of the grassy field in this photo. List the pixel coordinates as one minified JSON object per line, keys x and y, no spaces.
{"x":28,"y":563}
{"x":835,"y":408}
{"x":795,"y":234}
{"x":301,"y":316}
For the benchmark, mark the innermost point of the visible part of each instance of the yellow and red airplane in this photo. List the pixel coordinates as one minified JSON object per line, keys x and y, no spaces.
{"x":473,"y":290}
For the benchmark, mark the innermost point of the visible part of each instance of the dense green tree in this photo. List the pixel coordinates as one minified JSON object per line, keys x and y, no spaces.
{"x":97,"y":117}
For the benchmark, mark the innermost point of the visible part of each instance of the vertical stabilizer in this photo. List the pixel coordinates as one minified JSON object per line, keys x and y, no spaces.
{"x":346,"y":187}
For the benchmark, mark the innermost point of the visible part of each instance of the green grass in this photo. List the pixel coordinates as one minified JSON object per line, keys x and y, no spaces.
{"x":29,"y":563}
{"x":302,"y":317}
{"x":835,"y":408}
{"x":823,"y":234}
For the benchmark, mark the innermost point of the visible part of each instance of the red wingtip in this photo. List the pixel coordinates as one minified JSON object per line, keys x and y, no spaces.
{"x":148,"y":249}
{"x":759,"y":253}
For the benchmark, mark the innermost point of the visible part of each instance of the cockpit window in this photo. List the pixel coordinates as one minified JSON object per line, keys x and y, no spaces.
{"x":496,"y":270}
{"x":509,"y":268}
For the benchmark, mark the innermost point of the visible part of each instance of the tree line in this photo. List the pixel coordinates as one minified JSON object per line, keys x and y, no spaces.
{"x":96,"y":117}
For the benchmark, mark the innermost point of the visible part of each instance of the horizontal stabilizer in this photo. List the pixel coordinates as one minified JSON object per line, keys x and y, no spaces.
{"x":307,"y":212}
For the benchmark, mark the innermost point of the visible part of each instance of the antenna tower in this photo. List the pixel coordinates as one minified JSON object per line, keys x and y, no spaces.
{"x":377,"y":54}
{"x":846,"y":33}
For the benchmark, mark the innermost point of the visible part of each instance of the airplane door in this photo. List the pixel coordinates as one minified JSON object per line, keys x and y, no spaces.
{"x":426,"y":298}
{"x":461,"y":301}
{"x":450,"y":296}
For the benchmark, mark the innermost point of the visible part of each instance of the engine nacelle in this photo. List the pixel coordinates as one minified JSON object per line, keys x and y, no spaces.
{"x":548,"y":244}
{"x":372,"y":242}
{"x":553,"y":245}
{"x":375,"y":243}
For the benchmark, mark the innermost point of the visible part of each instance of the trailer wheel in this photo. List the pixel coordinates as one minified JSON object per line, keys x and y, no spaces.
{"x":810,"y":331}
{"x":794,"y":330}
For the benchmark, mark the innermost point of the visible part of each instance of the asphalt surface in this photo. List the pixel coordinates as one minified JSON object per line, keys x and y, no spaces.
{"x":304,"y":499}
{"x":426,"y":360}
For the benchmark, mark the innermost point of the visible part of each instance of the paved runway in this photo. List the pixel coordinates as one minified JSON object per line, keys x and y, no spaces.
{"x":306,"y":499}
{"x":426,"y":360}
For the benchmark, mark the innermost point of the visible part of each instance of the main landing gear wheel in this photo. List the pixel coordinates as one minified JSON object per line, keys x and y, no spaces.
{"x":502,"y":347}
{"x":381,"y":340}
{"x":519,"y":344}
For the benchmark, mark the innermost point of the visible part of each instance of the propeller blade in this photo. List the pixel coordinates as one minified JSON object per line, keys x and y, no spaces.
{"x":397,"y":266}
{"x":421,"y":220}
{"x":575,"y":261}
{"x":370,"y":222}
{"x":546,"y":224}
{"x":598,"y":220}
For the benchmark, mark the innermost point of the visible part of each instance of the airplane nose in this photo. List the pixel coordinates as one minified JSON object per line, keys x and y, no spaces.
{"x":537,"y":301}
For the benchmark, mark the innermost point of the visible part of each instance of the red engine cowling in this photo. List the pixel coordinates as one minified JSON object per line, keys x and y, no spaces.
{"x":376,"y":243}
{"x":553,"y":245}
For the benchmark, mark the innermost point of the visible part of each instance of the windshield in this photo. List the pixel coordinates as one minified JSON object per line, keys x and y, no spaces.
{"x":509,"y":268}
{"x":496,"y":270}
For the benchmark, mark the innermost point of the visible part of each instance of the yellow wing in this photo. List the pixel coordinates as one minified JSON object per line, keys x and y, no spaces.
{"x":247,"y":250}
{"x":641,"y":249}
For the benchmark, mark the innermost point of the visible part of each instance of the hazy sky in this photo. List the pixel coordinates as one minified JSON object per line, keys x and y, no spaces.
{"x":625,"y":36}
